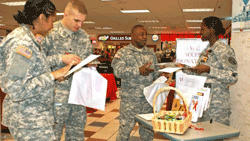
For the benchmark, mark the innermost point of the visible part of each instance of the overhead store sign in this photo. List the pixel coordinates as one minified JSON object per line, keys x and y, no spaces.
{"x":114,"y":37}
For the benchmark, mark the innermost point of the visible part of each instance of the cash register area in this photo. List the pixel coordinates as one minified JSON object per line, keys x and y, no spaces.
{"x":103,"y":125}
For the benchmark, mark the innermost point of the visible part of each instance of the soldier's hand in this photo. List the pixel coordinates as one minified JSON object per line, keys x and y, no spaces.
{"x":69,"y":58}
{"x":180,"y":65}
{"x":200,"y":69}
{"x":60,"y":73}
{"x":145,"y":70}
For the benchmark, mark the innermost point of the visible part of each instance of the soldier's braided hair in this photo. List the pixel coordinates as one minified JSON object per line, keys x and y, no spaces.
{"x":216,"y":24}
{"x":32,"y":10}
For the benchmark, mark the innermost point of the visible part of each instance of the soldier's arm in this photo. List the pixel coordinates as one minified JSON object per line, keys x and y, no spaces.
{"x":156,"y":67}
{"x":228,"y":74}
{"x":52,"y":58}
{"x":121,"y":69}
{"x":16,"y":82}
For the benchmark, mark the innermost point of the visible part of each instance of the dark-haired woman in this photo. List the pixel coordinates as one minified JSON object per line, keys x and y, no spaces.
{"x":217,"y":63}
{"x":26,"y":77}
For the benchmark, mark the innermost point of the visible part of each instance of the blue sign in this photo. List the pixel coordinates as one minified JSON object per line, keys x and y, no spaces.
{"x":245,"y":1}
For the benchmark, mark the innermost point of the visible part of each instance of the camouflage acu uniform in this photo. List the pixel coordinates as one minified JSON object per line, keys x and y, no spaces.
{"x":223,"y":71}
{"x":27,"y":80}
{"x":62,"y":41}
{"x":126,"y":64}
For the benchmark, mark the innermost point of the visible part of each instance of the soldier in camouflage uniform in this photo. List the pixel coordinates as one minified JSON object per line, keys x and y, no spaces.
{"x":135,"y":65}
{"x":71,"y":43}
{"x":217,"y":63}
{"x":26,"y":77}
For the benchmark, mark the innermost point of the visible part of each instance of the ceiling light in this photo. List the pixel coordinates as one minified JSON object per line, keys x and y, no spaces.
{"x":158,"y":27}
{"x":59,"y":14}
{"x":2,"y":24}
{"x":148,"y":21}
{"x":198,"y":10}
{"x":117,"y":31}
{"x":135,"y":11}
{"x":194,"y":21}
{"x":20,"y":3}
{"x":89,"y":22}
{"x":103,"y":28}
{"x":107,"y":28}
{"x":1,"y":16}
{"x":195,"y":27}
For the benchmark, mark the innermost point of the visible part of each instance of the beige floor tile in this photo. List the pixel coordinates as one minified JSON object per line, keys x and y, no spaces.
{"x":113,"y":137}
{"x":115,"y":121}
{"x":90,"y":120}
{"x":109,"y":117}
{"x":106,"y":132}
{"x":93,"y":128}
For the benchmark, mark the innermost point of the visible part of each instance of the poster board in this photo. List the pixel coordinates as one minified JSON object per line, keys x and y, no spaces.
{"x":188,"y":52}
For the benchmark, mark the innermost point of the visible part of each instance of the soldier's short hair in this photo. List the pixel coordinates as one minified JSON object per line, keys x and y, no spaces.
{"x":135,"y":27}
{"x":77,"y":5}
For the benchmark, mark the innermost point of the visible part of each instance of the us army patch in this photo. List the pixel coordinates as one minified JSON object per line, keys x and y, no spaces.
{"x":22,"y":50}
{"x":232,"y":60}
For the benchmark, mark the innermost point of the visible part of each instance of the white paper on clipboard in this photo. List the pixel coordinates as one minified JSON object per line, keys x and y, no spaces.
{"x":83,"y":63}
{"x":170,"y":69}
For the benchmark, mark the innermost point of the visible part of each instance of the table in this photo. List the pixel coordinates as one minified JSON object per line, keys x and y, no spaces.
{"x":211,"y":131}
{"x":111,"y":88}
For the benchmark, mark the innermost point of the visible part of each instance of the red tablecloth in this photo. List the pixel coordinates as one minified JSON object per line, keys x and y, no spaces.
{"x":112,"y":88}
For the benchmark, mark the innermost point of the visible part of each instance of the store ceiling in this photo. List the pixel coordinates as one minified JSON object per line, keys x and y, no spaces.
{"x":107,"y":14}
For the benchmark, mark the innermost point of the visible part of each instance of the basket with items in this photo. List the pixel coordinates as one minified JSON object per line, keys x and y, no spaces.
{"x":171,"y":121}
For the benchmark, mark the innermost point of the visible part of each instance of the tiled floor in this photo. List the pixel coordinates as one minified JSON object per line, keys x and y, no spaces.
{"x":103,"y":125}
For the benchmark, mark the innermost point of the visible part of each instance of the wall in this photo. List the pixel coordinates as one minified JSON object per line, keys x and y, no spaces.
{"x":240,"y":92}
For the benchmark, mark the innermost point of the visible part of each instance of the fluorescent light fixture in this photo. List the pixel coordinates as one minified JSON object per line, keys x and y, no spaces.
{"x":89,"y":22}
{"x":107,"y":28}
{"x":198,"y":10}
{"x":59,"y":14}
{"x":135,"y":11}
{"x":103,"y":28}
{"x":19,"y":3}
{"x":117,"y":31}
{"x":195,"y":27}
{"x":157,"y":27}
{"x":148,"y":21}
{"x":2,"y":24}
{"x":194,"y":21}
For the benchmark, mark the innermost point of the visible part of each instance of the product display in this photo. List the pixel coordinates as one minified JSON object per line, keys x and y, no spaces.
{"x":171,"y":121}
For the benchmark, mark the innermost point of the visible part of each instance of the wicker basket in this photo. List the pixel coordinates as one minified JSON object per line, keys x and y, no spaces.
{"x":177,"y":127}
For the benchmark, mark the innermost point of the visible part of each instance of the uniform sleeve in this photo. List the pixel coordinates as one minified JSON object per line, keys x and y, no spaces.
{"x":156,"y":72}
{"x":86,"y":50}
{"x":17,"y":81}
{"x":122,"y":69}
{"x":228,"y":72}
{"x":49,"y":49}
